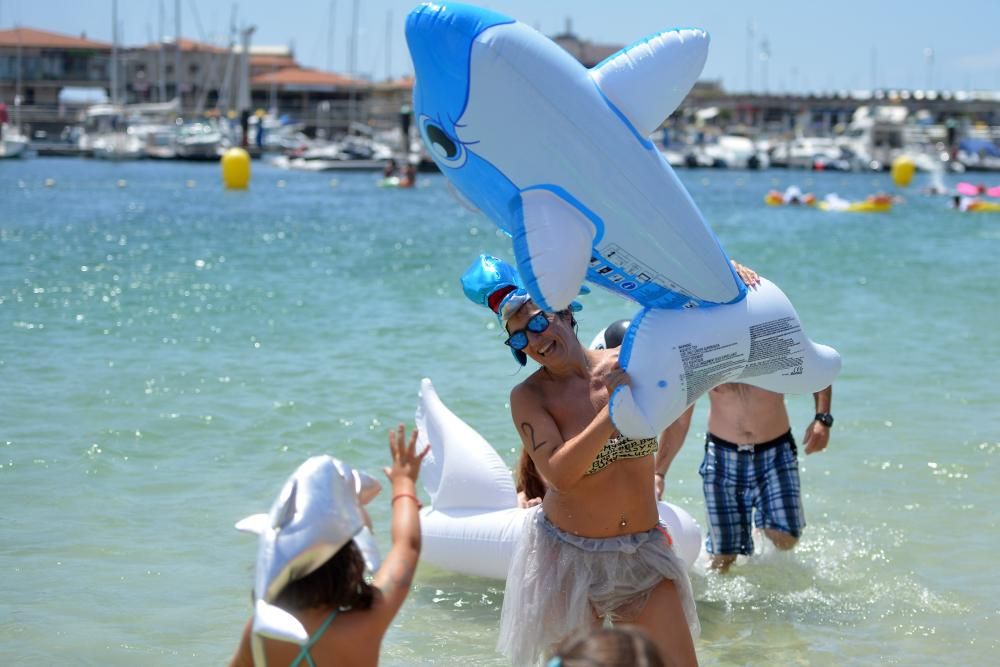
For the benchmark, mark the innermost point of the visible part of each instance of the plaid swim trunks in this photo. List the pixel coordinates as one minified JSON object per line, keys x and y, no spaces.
{"x":741,"y":481}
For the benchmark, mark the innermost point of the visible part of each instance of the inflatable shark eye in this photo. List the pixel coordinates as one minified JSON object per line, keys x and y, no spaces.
{"x":450,"y":152}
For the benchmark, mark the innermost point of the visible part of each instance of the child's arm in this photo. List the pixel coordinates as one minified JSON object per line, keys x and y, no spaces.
{"x":243,"y":656}
{"x":393,"y":579}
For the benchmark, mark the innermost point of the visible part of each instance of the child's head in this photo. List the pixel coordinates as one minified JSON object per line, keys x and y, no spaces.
{"x":607,"y":647}
{"x":339,"y":583}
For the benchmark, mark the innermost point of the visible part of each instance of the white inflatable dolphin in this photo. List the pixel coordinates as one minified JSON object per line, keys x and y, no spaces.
{"x":558,"y":156}
{"x":317,"y":512}
{"x":673,"y":357}
{"x":473,"y":523}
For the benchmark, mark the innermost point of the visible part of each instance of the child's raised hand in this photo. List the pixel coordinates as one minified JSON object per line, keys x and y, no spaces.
{"x":405,"y":460}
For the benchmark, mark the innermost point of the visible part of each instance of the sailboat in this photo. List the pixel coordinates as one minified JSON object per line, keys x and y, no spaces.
{"x":12,"y":142}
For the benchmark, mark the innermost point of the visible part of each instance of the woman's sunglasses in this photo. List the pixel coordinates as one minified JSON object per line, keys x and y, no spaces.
{"x":538,"y":323}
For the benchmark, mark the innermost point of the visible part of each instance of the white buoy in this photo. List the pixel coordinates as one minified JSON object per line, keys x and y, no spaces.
{"x":122,"y":183}
{"x":50,"y":182}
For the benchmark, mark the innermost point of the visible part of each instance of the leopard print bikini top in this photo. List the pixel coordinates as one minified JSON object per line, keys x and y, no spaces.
{"x":620,"y":447}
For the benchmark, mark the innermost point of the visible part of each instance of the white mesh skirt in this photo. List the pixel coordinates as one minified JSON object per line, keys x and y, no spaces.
{"x":558,"y":582}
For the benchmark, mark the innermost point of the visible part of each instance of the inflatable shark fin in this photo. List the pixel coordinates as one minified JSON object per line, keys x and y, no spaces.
{"x":462,"y":470}
{"x":286,"y":513}
{"x":553,"y":248}
{"x":627,"y":415}
{"x":255,"y":523}
{"x":366,"y":486}
{"x":648,"y":80}
{"x":276,"y":623}
{"x":369,"y":550}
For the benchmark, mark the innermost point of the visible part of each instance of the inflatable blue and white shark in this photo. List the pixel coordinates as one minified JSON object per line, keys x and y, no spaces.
{"x":320,"y":509}
{"x":558,"y":157}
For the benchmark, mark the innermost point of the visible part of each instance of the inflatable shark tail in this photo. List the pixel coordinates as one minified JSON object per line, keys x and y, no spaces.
{"x":462,"y":469}
{"x":276,"y":623}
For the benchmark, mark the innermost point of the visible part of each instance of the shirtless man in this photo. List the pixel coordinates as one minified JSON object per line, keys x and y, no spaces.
{"x":750,"y":465}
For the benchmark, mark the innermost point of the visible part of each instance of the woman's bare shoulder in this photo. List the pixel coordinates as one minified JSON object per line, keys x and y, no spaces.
{"x":530,"y":388}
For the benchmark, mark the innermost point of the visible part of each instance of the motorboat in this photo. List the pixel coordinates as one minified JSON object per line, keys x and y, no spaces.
{"x":198,"y":141}
{"x":12,"y":142}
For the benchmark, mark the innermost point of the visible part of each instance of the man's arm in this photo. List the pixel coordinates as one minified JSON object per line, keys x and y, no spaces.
{"x":818,"y":435}
{"x":671,"y":440}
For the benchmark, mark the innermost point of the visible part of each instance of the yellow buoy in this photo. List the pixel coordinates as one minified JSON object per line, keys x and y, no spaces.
{"x":903,"y":170}
{"x":236,"y":169}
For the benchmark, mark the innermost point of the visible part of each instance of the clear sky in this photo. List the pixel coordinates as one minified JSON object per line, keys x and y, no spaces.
{"x":813,"y":46}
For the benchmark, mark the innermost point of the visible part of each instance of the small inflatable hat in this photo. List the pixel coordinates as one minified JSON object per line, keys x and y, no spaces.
{"x":495,"y":284}
{"x":318,"y":511}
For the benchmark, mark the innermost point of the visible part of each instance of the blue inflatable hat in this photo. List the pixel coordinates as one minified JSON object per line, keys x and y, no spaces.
{"x":495,"y":284}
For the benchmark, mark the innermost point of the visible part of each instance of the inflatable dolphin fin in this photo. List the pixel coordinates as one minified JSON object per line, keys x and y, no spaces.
{"x":462,"y":470}
{"x":648,"y":80}
{"x":276,"y":623}
{"x":553,"y":248}
{"x":258,"y":524}
{"x":284,"y":516}
{"x":255,"y":523}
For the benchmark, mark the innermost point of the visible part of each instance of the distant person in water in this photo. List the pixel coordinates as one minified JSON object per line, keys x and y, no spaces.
{"x":409,"y":178}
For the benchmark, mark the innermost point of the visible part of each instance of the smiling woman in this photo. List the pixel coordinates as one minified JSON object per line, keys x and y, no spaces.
{"x":580,"y":559}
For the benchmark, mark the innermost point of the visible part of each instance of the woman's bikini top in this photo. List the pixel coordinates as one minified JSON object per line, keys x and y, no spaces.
{"x":304,"y":652}
{"x":620,"y":447}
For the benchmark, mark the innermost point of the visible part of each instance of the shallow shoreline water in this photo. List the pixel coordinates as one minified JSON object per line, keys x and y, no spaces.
{"x":169,"y":353}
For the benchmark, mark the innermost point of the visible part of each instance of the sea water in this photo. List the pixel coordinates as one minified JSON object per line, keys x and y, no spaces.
{"x":170,"y":352}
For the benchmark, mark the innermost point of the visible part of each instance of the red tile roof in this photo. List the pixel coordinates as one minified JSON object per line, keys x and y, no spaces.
{"x":186,"y":45}
{"x":303,"y":76}
{"x":31,"y":38}
{"x":264,"y":60}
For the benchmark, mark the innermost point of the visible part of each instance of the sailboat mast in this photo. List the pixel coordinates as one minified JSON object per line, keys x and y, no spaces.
{"x":329,"y":36}
{"x":17,"y":84}
{"x":353,"y":55}
{"x":114,"y":51}
{"x":177,"y":55}
{"x":388,"y":45}
{"x":161,"y":61}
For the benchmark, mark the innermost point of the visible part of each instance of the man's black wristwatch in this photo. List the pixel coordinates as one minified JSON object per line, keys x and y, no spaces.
{"x":825,"y":418}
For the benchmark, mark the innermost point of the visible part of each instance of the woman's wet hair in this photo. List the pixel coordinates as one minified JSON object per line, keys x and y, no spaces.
{"x":338,"y":583}
{"x":528,"y":479}
{"x":607,"y":647}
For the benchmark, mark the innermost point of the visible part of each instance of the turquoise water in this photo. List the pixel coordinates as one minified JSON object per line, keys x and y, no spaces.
{"x":169,"y":353}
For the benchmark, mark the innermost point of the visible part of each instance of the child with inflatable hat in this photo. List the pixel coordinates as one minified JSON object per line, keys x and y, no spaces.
{"x":595,"y":545}
{"x":313,"y":604}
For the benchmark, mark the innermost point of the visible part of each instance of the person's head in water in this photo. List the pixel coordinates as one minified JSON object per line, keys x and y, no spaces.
{"x":611,"y":336}
{"x":607,"y":647}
